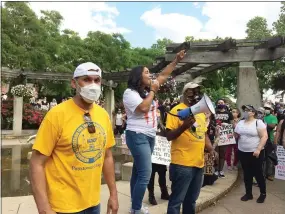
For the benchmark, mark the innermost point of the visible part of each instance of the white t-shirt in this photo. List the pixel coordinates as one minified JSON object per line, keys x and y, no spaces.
{"x":249,"y":138}
{"x":119,"y":119}
{"x":145,"y":123}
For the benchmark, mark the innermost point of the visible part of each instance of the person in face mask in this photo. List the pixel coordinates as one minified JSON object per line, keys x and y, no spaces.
{"x":271,"y":122}
{"x":72,"y":149}
{"x":223,"y":116}
{"x":252,"y":136}
{"x":260,"y":113}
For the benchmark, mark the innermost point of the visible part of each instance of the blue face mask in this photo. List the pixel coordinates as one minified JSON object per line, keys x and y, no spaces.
{"x":245,"y":115}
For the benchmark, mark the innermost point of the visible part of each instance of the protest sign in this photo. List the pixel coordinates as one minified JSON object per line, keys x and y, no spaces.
{"x":161,"y":153}
{"x":280,"y":168}
{"x":226,"y":135}
{"x":209,"y":164}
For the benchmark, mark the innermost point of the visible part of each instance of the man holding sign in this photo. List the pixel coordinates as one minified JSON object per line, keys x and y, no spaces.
{"x":187,"y":154}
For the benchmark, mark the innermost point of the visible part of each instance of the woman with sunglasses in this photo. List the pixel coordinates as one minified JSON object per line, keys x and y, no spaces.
{"x":252,"y":136}
{"x":141,"y":128}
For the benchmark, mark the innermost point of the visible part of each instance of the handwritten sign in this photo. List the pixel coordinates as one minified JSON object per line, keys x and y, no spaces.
{"x":226,"y":135}
{"x":280,"y":168}
{"x":209,"y":164}
{"x":161,"y":153}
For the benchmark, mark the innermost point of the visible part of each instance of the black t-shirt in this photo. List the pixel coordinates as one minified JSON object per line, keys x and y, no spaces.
{"x":223,"y":117}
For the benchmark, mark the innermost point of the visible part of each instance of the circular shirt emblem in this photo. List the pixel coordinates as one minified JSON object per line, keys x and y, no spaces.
{"x":88,"y":148}
{"x":199,"y":131}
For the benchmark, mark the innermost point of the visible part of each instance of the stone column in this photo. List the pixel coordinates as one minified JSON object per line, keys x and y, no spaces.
{"x":18,"y":116}
{"x":16,"y":167}
{"x":109,"y":101}
{"x":248,"y":86}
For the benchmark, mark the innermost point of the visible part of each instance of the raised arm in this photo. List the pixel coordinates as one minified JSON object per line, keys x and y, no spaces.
{"x":163,"y":76}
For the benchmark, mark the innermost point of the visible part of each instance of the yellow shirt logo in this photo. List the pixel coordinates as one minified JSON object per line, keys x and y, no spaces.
{"x":88,"y":147}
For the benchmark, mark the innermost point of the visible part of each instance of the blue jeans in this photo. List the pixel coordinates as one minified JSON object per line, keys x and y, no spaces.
{"x":91,"y":210}
{"x":185,"y":187}
{"x":141,"y":147}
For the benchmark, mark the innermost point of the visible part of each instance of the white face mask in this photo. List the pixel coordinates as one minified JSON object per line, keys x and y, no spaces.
{"x":90,"y":93}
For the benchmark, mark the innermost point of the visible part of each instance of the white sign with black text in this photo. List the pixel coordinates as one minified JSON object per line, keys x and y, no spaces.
{"x":226,"y":135}
{"x":161,"y":153}
{"x":280,"y":168}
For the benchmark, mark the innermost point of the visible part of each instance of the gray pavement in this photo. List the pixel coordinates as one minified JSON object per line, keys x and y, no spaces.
{"x":231,"y":203}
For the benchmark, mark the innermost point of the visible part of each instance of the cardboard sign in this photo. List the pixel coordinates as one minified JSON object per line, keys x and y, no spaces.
{"x":161,"y":153}
{"x":226,"y":135}
{"x":280,"y":168}
{"x":209,"y":164}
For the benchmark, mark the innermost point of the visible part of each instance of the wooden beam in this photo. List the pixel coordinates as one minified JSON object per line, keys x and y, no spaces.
{"x":272,"y":43}
{"x":176,"y":47}
{"x":244,"y":54}
{"x":157,"y":68}
{"x":225,"y":46}
{"x":182,"y":69}
{"x":209,"y":69}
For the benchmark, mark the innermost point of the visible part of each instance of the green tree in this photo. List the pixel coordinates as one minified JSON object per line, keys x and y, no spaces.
{"x":279,"y":25}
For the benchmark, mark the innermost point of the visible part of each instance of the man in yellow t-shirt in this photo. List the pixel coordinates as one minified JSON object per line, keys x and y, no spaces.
{"x":187,"y":154}
{"x":71,"y":150}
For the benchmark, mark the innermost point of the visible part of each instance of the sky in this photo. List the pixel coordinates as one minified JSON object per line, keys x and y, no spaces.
{"x":142,"y":23}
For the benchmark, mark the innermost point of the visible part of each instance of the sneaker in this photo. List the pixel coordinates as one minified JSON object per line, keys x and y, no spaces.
{"x":261,"y":198}
{"x":144,"y":210}
{"x":246,"y":197}
{"x":270,"y":178}
{"x":222,"y":174}
{"x":216,"y":173}
{"x":230,"y":168}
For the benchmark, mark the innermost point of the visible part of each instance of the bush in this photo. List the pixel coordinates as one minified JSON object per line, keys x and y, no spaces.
{"x":32,"y":117}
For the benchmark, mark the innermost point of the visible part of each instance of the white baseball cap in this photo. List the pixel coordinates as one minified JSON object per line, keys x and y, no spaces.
{"x":268,"y":105}
{"x":190,"y":85}
{"x":87,"y":68}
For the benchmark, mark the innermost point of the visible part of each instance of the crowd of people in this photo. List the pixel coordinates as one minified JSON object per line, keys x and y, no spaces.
{"x":73,"y":150}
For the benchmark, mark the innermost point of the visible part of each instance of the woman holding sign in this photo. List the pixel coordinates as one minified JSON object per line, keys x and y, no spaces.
{"x":141,"y":128}
{"x":252,"y":137}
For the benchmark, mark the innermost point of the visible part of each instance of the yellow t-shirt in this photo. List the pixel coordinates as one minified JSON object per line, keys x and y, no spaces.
{"x":188,"y":148}
{"x":73,"y":171}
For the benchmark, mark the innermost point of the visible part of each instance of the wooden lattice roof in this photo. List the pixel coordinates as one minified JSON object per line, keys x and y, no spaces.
{"x":204,"y":57}
{"x":201,"y":58}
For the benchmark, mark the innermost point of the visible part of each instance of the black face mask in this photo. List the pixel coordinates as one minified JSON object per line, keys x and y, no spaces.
{"x":221,"y":106}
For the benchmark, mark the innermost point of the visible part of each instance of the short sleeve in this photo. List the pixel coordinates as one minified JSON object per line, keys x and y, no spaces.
{"x":274,"y":120}
{"x":260,"y":124}
{"x":172,"y":121}
{"x":110,"y":135}
{"x":131,"y":100}
{"x":237,"y":128}
{"x":47,"y":135}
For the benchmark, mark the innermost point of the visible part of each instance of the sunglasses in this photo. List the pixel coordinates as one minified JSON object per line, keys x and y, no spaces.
{"x":87,"y":118}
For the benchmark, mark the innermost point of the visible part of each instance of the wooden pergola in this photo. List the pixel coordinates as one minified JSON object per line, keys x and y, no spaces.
{"x":201,"y":58}
{"x":16,"y":73}
{"x":205,"y":57}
